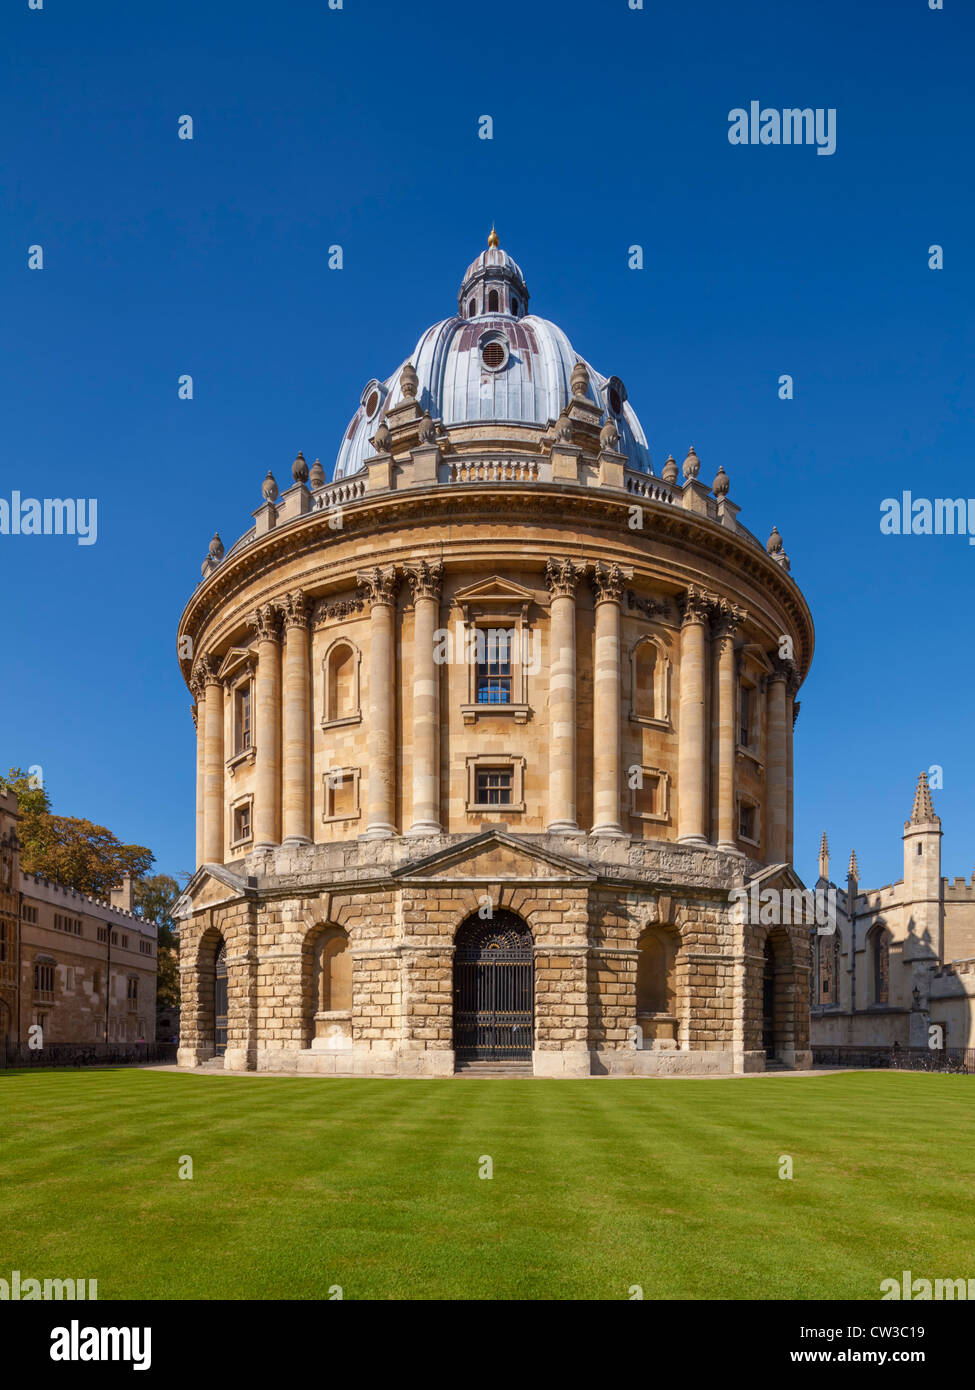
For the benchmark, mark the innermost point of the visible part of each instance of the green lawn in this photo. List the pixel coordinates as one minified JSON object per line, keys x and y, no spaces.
{"x":301,"y":1184}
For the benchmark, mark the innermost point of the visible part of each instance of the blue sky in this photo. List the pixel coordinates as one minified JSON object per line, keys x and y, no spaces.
{"x":359,"y":127}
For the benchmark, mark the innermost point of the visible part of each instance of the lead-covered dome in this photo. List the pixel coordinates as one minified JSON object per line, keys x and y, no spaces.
{"x":493,"y":361}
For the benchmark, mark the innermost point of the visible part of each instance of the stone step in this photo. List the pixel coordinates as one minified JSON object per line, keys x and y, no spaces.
{"x":493,"y":1069}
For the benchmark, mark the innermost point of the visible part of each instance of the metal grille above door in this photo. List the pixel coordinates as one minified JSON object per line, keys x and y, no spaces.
{"x":494,"y":989}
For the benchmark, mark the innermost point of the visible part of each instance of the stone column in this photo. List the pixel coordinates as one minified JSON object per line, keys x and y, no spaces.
{"x":562,"y":576}
{"x":607,"y":582}
{"x":728,"y":621}
{"x":776,"y":793}
{"x":792,"y":714}
{"x":381,"y":586}
{"x":213,"y":812}
{"x":198,"y":711}
{"x":296,"y":791}
{"x":425,"y":582}
{"x":691,"y":744}
{"x":267,"y":713}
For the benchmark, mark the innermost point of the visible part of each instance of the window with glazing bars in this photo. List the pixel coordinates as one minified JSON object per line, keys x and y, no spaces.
{"x":494,"y":672}
{"x":494,"y":786}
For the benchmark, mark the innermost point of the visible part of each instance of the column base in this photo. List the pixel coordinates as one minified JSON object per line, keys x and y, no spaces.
{"x":729,"y":847}
{"x":262,"y":845}
{"x":609,"y":830}
{"x":562,"y":827}
{"x":378,"y":832}
{"x":423,"y":827}
{"x":692,"y":840}
{"x":294,"y":841}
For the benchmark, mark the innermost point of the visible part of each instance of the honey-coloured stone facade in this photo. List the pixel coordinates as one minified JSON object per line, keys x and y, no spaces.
{"x":376,"y":767}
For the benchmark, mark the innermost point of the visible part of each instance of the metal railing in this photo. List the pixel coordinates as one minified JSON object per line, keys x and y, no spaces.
{"x":86,"y":1054}
{"x":960,"y":1060}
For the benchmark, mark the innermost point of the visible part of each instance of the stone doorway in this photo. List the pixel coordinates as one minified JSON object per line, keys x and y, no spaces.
{"x":494,"y":990}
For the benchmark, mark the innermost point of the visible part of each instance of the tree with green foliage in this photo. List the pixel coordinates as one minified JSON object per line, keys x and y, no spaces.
{"x":71,"y":851}
{"x":154,"y":899}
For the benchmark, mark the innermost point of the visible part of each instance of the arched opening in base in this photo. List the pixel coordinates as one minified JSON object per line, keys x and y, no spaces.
{"x":494,"y":989}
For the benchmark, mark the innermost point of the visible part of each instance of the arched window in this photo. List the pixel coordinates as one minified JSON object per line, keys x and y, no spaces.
{"x":651,"y":681}
{"x":333,"y":972}
{"x":879,"y":957}
{"x":493,"y":302}
{"x":341,"y":696}
{"x":514,"y":306}
{"x":470,"y":309}
{"x":829,"y":969}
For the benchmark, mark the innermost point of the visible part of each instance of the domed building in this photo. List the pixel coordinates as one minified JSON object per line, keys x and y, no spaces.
{"x":493,"y":729}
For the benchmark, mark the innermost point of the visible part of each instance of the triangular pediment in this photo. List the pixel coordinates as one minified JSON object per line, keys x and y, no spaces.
{"x":494,"y":589}
{"x":494,"y":857}
{"x":235,"y":659}
{"x":211,"y":885}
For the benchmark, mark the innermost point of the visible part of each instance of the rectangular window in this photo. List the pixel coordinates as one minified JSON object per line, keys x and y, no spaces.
{"x":493,"y":786}
{"x":242,"y":721}
{"x":125,"y":941}
{"x":96,"y":982}
{"x":3,"y":941}
{"x":114,"y":938}
{"x":102,"y":934}
{"x":646,"y":796}
{"x":145,"y":947}
{"x":242,"y":822}
{"x":30,"y":914}
{"x":132,"y":990}
{"x":746,"y":822}
{"x":494,"y":671}
{"x":745,"y":731}
{"x":44,"y":980}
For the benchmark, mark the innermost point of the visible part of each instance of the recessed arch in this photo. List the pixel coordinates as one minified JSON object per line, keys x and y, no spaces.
{"x":494,"y":988}
{"x":341,"y":666}
{"x":878,"y":958}
{"x":650,"y":680}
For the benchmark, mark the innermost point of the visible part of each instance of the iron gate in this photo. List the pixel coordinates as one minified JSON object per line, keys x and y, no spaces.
{"x":220,"y":1002}
{"x":768,"y":1003}
{"x":493,"y":990}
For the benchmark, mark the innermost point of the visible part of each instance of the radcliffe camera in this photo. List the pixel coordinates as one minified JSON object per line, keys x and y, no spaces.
{"x":485,"y":813}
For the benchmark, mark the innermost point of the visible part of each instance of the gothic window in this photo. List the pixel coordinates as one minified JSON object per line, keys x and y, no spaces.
{"x":44,"y":981}
{"x":341,"y":673}
{"x":829,"y":969}
{"x":879,"y":956}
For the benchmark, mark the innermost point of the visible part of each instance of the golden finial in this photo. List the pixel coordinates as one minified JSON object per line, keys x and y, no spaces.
{"x":493,"y":238}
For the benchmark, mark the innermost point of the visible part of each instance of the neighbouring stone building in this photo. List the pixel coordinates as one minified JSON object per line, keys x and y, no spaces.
{"x":489,"y":728}
{"x":81,"y":969}
{"x":902,"y":958}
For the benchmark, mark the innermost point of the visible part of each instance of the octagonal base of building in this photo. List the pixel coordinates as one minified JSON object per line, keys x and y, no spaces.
{"x":590,"y":957}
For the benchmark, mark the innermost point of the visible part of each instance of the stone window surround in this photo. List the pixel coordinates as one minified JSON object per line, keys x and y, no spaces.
{"x":235,"y":806}
{"x":662,"y":683}
{"x":753,"y":667}
{"x":237,"y":670}
{"x":742,"y":799}
{"x":661,"y":817}
{"x":502,"y":612}
{"x":328,"y":721}
{"x":509,"y":762}
{"x":355,"y":774}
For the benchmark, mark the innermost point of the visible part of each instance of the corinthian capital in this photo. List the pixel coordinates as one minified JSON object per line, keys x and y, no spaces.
{"x":726,"y":617}
{"x":607,"y":582}
{"x":695,"y":605}
{"x":267,"y":623}
{"x":425,"y":580}
{"x":562,"y":577}
{"x":380,"y":584}
{"x":205,"y":672}
{"x":295,"y":608}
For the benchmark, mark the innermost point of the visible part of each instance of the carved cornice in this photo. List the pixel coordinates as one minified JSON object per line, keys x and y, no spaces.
{"x":425,"y":580}
{"x":562,"y":577}
{"x":380,"y":584}
{"x":295,"y":608}
{"x":607,"y":582}
{"x":267,"y":623}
